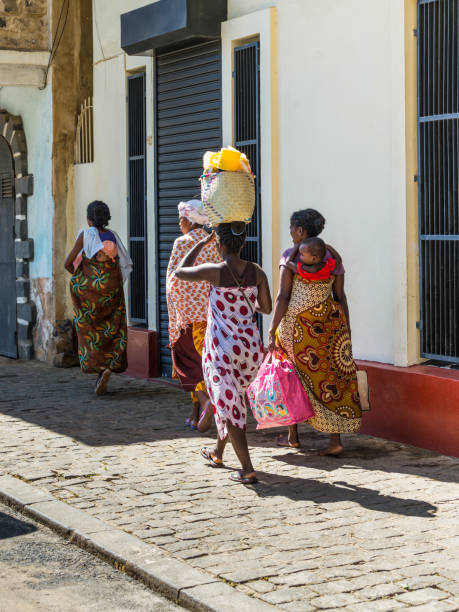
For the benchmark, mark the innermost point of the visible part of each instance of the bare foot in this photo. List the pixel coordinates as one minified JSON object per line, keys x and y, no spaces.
{"x":286,"y":442}
{"x":332,"y":450}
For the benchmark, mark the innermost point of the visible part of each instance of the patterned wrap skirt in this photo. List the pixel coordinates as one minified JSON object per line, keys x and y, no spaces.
{"x":187,"y":357}
{"x":99,"y":315}
{"x":315,"y":336}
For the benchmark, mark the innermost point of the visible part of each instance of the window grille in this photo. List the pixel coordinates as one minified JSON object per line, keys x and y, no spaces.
{"x":84,"y":141}
{"x":438,"y":146}
{"x":6,"y":187}
{"x":137,"y":199}
{"x":247,"y":131}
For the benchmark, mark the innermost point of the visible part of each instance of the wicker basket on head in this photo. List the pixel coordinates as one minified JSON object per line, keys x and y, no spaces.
{"x":228,"y":196}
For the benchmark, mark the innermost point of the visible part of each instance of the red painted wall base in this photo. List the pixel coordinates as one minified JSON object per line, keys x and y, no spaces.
{"x":418,"y":405}
{"x":142,"y":353}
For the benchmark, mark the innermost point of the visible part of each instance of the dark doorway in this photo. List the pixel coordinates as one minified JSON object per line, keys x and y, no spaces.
{"x":8,"y":341}
{"x":138,"y":309}
{"x":188,"y":123}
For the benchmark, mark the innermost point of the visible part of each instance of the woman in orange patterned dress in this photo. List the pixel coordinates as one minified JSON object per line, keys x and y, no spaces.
{"x":187,"y":305}
{"x":311,"y":324}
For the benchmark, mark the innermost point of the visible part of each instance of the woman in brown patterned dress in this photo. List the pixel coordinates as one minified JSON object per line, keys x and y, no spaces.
{"x":99,"y":264}
{"x":310,"y":323}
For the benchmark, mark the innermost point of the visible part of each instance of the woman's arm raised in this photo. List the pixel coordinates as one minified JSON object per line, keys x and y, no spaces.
{"x":68,"y":264}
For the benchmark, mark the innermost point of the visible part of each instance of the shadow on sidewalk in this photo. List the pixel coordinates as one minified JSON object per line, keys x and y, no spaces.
{"x":299,"y":489}
{"x":135,"y":411}
{"x":360,"y":452}
{"x":63,"y":402}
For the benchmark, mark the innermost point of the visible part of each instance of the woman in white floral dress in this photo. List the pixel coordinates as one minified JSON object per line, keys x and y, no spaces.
{"x":232,"y":347}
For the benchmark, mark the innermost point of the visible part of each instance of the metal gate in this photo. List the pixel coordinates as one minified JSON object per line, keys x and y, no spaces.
{"x":137,"y":199}
{"x":188,"y":123}
{"x":8,"y":343}
{"x":247,"y":131}
{"x":438,"y":147}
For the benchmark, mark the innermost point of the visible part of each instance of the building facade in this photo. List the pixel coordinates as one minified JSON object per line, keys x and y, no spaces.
{"x":45,"y":72}
{"x":336,"y":105}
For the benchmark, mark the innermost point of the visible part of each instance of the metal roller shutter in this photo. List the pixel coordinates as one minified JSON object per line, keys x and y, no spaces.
{"x":188,"y":123}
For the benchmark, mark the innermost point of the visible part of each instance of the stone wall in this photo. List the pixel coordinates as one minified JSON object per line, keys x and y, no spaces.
{"x":24,"y":25}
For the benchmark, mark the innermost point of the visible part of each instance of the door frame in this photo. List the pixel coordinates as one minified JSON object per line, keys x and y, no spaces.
{"x":12,"y":130}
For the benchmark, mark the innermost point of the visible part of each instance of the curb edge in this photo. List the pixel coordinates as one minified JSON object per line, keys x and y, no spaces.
{"x":179,"y":582}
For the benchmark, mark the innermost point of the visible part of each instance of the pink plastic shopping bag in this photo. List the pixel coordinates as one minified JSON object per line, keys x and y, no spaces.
{"x":276,"y":396}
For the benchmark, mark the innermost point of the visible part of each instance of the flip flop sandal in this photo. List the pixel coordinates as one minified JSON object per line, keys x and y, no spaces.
{"x":101,"y":386}
{"x":206,"y":453}
{"x":239,"y":477}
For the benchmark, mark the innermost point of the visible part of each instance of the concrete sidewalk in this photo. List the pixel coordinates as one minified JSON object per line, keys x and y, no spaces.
{"x":377,"y":529}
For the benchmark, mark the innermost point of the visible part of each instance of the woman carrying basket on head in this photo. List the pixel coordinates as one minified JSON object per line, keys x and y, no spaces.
{"x":187,"y":305}
{"x":232,"y":349}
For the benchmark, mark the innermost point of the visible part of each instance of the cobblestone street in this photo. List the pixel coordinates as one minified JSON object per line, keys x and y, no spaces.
{"x":376,"y":529}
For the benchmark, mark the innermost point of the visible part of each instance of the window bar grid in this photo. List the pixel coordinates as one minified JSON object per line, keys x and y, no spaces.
{"x":247,"y":132}
{"x":438,"y":144}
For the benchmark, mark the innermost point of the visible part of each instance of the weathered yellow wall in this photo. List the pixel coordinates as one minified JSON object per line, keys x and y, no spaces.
{"x":24,"y":25}
{"x":72,"y":83}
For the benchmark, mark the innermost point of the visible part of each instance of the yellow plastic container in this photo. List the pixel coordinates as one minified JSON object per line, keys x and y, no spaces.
{"x":227,"y":159}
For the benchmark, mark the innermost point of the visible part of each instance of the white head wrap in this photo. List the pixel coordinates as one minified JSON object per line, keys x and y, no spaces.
{"x":193,"y":210}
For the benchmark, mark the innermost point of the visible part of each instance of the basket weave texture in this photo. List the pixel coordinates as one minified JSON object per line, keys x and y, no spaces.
{"x":228,"y":196}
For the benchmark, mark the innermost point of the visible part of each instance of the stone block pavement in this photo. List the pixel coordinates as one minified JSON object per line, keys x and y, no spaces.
{"x":374,"y":530}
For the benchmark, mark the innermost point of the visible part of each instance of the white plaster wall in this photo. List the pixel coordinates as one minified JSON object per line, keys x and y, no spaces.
{"x":341,"y":134}
{"x":106,"y":178}
{"x":35,"y":108}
